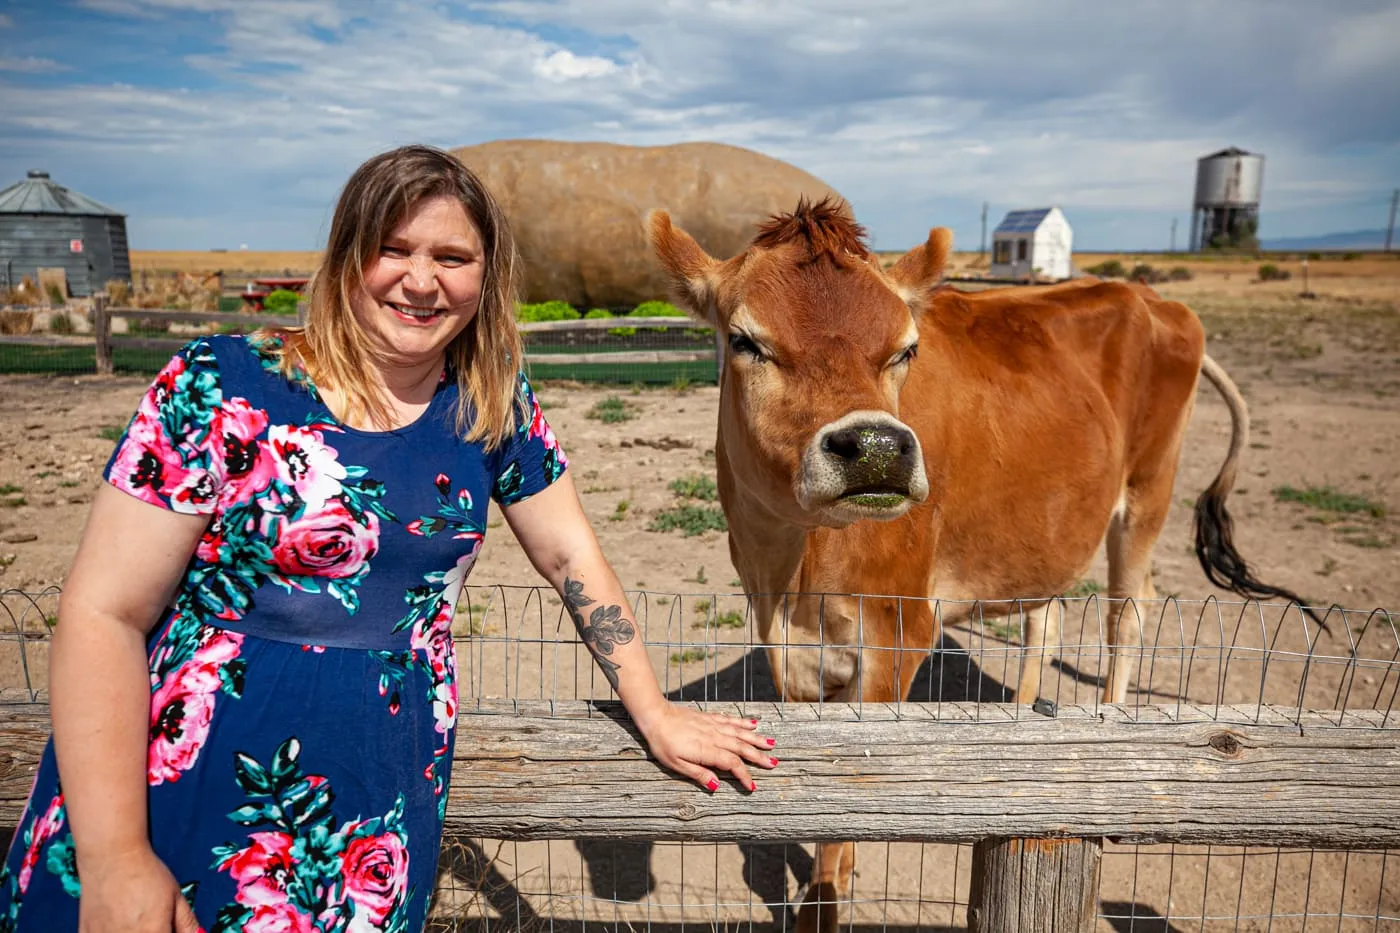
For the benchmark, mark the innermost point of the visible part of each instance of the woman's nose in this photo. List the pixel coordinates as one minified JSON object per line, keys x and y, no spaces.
{"x":419,"y":276}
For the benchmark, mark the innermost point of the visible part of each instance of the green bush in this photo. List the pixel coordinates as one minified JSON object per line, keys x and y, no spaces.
{"x":598,"y":313}
{"x":1108,"y":269}
{"x":689,"y":520}
{"x":60,"y":323}
{"x":1142,"y":272}
{"x":56,"y":297}
{"x":546,"y":311}
{"x":1179,"y":274}
{"x":281,"y":301}
{"x":1268,"y":272}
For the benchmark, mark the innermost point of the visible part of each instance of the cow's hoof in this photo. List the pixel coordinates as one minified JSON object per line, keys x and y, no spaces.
{"x":818,"y":912}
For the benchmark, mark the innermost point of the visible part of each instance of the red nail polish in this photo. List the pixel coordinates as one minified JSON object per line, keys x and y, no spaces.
{"x":772,"y":742}
{"x":712,"y":786}
{"x":753,"y":785}
{"x":773,"y":762}
{"x":753,"y":722}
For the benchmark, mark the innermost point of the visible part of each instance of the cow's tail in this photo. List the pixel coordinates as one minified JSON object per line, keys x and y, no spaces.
{"x":1215,"y":544}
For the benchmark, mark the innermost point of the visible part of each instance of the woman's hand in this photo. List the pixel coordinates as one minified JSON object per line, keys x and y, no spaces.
{"x":692,"y":743}
{"x":132,"y":893}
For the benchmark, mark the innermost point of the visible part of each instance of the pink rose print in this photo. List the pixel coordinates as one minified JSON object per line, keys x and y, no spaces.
{"x":434,"y":638}
{"x":375,"y":869}
{"x":148,"y":467}
{"x":278,"y":918}
{"x":181,"y":710}
{"x":328,"y":543}
{"x":262,"y":871}
{"x":539,"y":428}
{"x":45,"y":828}
{"x":306,"y":464}
{"x":248,"y":467}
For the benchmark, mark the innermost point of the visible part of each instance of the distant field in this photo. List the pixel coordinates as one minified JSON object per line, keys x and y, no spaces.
{"x":265,"y":262}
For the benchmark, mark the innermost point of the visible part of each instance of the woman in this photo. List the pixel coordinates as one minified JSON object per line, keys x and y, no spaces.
{"x":252,"y":678}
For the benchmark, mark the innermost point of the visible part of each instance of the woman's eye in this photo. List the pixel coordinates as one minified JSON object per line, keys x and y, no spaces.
{"x":452,"y":261}
{"x":742,"y":343}
{"x":394,"y":251}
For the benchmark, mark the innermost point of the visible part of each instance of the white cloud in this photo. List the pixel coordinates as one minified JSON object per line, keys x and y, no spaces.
{"x":30,"y":65}
{"x":564,"y":65}
{"x":906,"y":108}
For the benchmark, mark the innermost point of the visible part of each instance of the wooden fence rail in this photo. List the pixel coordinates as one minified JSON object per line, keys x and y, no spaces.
{"x":104,"y":339}
{"x":576,"y":769}
{"x":1035,"y":795}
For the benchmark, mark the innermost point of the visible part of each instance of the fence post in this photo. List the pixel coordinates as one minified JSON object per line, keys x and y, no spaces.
{"x":301,"y":313}
{"x":101,"y":334}
{"x":1034,"y":886}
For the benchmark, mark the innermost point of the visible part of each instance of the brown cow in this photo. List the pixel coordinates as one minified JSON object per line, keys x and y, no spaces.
{"x":995,"y":437}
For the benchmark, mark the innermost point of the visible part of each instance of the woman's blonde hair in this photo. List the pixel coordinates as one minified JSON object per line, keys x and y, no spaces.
{"x":332,"y":347}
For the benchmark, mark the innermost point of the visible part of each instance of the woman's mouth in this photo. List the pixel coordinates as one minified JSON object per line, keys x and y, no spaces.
{"x":415,"y":312}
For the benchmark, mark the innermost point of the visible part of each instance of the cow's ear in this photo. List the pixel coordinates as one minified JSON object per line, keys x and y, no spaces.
{"x":918,"y":272}
{"x":692,"y":271}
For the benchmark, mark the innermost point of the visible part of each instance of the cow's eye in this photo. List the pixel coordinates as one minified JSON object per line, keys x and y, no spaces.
{"x":743,"y":343}
{"x":907,"y":356}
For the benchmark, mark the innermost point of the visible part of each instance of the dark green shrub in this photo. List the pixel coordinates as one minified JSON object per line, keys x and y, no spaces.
{"x":1108,"y":269}
{"x":1179,"y":274}
{"x":60,"y":323}
{"x":281,"y":301}
{"x":1268,"y":272}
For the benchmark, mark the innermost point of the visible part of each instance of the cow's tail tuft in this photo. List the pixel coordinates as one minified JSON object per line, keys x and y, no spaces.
{"x":1215,"y":544}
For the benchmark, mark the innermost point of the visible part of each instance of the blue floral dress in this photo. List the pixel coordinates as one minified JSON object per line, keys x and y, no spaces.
{"x":303,"y":685}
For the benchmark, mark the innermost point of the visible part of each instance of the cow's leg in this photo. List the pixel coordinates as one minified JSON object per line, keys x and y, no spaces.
{"x":831,"y":883}
{"x":1042,"y":634}
{"x":1132,"y":532}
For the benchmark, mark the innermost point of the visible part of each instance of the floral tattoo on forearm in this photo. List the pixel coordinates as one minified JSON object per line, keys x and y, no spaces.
{"x":604,"y":630}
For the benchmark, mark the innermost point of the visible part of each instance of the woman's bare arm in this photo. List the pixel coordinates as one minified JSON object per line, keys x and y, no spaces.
{"x":129,"y":562}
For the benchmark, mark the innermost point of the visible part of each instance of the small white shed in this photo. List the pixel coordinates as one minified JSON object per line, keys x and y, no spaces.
{"x":1038,"y":241}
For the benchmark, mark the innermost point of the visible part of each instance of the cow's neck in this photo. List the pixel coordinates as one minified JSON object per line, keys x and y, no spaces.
{"x":766,"y":549}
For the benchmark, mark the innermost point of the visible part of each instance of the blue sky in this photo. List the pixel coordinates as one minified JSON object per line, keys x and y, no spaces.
{"x":215,"y":123}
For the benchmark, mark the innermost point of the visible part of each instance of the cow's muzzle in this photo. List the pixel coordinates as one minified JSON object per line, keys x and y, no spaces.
{"x":866,"y":464}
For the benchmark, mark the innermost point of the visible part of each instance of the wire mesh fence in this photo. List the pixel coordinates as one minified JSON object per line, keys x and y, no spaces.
{"x":659,"y":351}
{"x":1199,"y":662}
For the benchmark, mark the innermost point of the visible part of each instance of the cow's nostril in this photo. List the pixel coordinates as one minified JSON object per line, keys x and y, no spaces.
{"x":844,"y":444}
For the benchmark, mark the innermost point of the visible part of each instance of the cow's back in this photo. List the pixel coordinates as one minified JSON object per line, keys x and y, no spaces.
{"x":1035,"y":406}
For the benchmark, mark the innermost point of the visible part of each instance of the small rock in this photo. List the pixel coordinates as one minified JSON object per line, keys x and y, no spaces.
{"x":20,"y":537}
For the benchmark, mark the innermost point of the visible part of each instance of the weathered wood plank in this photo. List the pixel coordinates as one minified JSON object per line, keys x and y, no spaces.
{"x":913,"y":772}
{"x":1035,"y":886}
{"x":203,"y":317}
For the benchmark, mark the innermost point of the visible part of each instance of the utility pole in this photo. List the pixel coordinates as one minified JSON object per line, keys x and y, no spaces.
{"x":1173,"y":247}
{"x":1390,"y":228}
{"x":983,"y":251}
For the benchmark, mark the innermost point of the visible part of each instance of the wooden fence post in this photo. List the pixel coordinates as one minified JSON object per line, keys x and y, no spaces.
{"x":101,"y":333}
{"x":1034,"y":886}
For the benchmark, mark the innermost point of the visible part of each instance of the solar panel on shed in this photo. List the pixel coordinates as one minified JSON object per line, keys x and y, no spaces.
{"x":1022,"y":221}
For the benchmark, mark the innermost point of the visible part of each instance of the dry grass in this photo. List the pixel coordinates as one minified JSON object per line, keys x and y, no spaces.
{"x":250,"y":262}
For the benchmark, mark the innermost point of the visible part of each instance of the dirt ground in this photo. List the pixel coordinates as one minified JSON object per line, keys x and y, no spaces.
{"x":1317,"y":510}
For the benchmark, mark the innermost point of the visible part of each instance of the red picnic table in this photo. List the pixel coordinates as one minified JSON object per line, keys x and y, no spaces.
{"x":258,"y":289}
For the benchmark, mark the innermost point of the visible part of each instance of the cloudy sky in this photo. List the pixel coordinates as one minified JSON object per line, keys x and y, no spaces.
{"x":215,"y":123}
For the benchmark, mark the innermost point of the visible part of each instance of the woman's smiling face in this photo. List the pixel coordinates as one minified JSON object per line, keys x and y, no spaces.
{"x":424,"y":286}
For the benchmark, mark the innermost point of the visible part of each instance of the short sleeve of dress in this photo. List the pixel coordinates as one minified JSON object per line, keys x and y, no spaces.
{"x":171,"y":454}
{"x":530,"y":459}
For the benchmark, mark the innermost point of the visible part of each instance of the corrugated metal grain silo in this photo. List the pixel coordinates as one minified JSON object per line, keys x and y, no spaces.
{"x":1225,"y":210}
{"x":45,"y":225}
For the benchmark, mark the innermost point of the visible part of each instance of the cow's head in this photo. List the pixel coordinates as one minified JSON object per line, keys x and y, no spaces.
{"x":818,"y":344}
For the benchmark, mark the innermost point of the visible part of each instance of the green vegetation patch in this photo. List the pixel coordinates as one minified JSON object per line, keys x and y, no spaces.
{"x":612,"y":410}
{"x":1330,"y":499}
{"x":689,"y":520}
{"x":695,"y":486}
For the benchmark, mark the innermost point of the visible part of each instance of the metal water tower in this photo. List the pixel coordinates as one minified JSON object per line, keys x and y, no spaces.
{"x":1226,"y":208}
